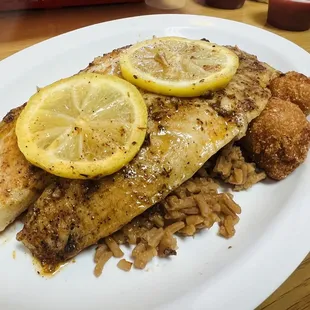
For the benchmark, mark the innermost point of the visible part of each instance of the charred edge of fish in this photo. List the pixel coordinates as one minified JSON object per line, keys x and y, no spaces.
{"x":156,"y":209}
{"x":208,"y":95}
{"x":90,"y":187}
{"x":71,"y":245}
{"x":147,"y":140}
{"x":13,"y":114}
{"x":10,"y":116}
{"x":117,"y":50}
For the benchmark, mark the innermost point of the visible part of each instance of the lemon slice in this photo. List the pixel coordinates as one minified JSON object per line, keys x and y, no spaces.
{"x":85,"y":126}
{"x":180,"y":67}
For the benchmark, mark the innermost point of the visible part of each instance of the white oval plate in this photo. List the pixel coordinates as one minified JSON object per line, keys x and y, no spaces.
{"x":273,"y":234}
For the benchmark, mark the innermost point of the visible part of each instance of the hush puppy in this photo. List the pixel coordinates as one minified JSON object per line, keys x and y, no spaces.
{"x":293,"y":87}
{"x":279,"y":139}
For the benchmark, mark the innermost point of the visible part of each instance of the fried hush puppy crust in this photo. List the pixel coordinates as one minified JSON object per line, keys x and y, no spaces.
{"x":279,"y":139}
{"x":293,"y":87}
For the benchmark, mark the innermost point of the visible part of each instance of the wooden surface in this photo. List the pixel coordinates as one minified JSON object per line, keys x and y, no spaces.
{"x":22,"y":29}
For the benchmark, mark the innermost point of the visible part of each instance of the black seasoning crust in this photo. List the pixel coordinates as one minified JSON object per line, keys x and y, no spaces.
{"x":182,"y":134}
{"x":107,"y":63}
{"x":242,"y":93}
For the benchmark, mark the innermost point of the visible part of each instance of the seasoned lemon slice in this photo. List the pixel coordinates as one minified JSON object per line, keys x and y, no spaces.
{"x":85,"y":126}
{"x":178,"y":67}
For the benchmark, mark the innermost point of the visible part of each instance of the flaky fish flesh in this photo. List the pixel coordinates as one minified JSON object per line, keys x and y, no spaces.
{"x":20,"y":182}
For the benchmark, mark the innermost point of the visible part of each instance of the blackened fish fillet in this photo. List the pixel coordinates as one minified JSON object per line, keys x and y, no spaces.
{"x":182,"y":134}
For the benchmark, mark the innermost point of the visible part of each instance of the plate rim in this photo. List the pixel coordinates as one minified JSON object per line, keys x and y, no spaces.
{"x":151,"y":16}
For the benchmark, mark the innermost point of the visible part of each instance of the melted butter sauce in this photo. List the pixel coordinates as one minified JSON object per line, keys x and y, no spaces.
{"x":49,"y":271}
{"x":9,"y":234}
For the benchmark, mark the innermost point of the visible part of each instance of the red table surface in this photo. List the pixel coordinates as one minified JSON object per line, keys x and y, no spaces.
{"x":8,"y":5}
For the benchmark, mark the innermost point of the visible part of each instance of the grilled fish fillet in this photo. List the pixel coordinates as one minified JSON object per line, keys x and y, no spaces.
{"x":20,"y":182}
{"x":182,"y":135}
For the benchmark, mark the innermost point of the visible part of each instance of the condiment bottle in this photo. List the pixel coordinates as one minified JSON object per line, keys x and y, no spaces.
{"x":289,"y":14}
{"x":225,"y":4}
{"x":166,"y":4}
